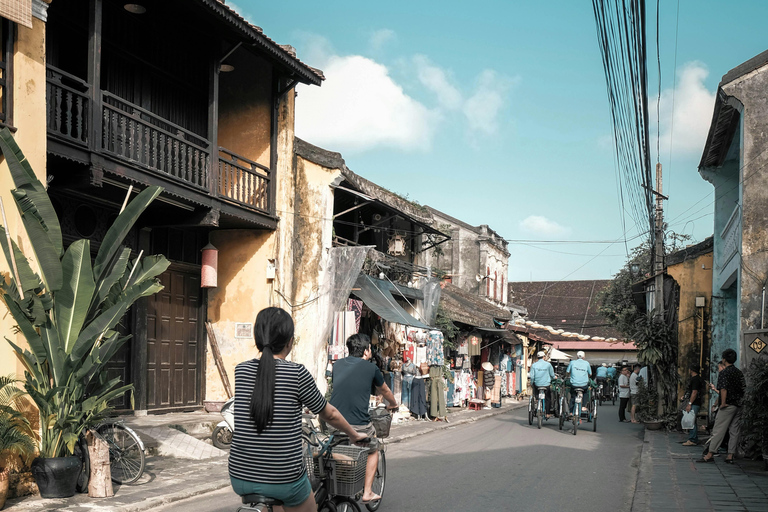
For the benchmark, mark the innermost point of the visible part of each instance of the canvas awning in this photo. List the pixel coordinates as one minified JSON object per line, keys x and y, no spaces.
{"x":377,"y":295}
{"x":558,"y":354}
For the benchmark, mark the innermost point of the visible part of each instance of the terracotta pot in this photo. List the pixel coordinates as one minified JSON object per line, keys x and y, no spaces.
{"x":56,"y":477}
{"x":3,"y":487}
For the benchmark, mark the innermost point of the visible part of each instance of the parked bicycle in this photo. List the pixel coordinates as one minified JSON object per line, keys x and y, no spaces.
{"x":127,"y":460}
{"x":336,"y":471}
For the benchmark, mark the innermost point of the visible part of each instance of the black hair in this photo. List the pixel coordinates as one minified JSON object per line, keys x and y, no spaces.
{"x":729,"y":355}
{"x":272,"y":331}
{"x":694,"y":367}
{"x":357,"y":344}
{"x":637,"y":366}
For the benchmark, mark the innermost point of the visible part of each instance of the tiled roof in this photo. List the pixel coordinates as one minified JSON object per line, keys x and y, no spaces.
{"x":284,"y":53}
{"x":469,"y":308}
{"x":568,"y":305}
{"x":592,"y":345}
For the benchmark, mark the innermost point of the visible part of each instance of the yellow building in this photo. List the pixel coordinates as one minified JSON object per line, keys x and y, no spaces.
{"x":106,"y":95}
{"x":691,"y":268}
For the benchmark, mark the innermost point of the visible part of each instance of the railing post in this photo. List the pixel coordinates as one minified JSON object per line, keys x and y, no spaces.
{"x":94,"y":73}
{"x":213,"y":128}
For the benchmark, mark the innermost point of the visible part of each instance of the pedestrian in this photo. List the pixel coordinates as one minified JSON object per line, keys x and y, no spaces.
{"x":633,"y":390}
{"x":731,"y":385}
{"x":623,"y":394}
{"x":694,"y":391}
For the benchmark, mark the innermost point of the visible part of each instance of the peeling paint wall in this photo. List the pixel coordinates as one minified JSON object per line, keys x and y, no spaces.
{"x":694,"y":276}
{"x":29,"y":116}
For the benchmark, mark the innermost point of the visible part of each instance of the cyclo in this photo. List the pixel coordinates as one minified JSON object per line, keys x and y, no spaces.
{"x":585,"y":405}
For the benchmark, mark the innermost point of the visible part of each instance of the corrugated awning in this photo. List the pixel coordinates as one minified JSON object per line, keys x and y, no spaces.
{"x":377,"y":296}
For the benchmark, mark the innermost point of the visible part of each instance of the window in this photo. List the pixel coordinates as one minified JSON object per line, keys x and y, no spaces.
{"x":6,"y":72}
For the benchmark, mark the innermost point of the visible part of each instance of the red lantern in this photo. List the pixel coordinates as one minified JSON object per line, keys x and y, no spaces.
{"x":209,"y":274}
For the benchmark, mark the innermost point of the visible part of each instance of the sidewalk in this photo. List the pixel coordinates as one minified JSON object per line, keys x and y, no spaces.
{"x":670,"y":479}
{"x":170,"y":479}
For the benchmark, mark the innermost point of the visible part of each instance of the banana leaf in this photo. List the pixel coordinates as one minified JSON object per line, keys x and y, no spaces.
{"x":116,"y":271}
{"x":75,"y":295}
{"x":46,"y":253}
{"x":29,"y":279}
{"x":120,"y":228}
{"x":27,"y":329}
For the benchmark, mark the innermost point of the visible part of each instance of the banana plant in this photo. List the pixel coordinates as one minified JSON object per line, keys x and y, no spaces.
{"x":68,"y":310}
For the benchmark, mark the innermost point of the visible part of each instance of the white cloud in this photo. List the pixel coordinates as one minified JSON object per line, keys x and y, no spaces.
{"x":693,"y":105}
{"x":483,"y":107}
{"x":381,"y":37}
{"x":539,"y":225}
{"x":436,"y":80}
{"x":360,"y":107}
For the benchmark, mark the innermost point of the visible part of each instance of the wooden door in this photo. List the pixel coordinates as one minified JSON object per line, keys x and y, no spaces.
{"x":174,"y":351}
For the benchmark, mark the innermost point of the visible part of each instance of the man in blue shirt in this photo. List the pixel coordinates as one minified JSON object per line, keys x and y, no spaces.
{"x":579,"y":372}
{"x":601,"y":376}
{"x":612,"y":372}
{"x":541,"y":375}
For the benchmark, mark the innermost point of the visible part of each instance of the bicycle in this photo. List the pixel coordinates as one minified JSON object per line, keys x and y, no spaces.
{"x":336,"y":484}
{"x":537,"y":406}
{"x":126,"y":454}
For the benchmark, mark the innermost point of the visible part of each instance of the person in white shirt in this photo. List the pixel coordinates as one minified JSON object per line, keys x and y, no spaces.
{"x":633,"y":391}
{"x":623,"y":394}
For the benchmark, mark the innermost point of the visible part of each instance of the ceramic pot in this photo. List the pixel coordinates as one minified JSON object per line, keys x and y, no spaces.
{"x":56,"y":477}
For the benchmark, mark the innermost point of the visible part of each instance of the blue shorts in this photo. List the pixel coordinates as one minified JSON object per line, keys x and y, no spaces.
{"x":292,"y":494}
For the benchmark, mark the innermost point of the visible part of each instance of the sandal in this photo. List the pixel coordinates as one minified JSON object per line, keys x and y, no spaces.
{"x":705,"y":460}
{"x":729,"y":461}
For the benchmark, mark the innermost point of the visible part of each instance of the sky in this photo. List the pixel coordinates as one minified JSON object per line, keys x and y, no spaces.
{"x":496,"y":112}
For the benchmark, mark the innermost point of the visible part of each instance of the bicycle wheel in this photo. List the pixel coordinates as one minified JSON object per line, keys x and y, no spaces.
{"x":594,"y":424}
{"x":561,"y":419}
{"x":378,"y":482}
{"x":539,"y":413}
{"x":576,"y":417}
{"x":346,"y":505}
{"x":126,"y":457}
{"x":222,"y":438}
{"x":530,"y":411}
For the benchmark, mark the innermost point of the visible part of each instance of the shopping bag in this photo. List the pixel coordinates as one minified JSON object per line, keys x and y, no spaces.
{"x":689,"y":420}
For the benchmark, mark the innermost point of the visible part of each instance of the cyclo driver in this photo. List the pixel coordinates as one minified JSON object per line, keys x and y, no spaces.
{"x":601,"y":376}
{"x":354,"y":379}
{"x":541,"y":376}
{"x":578,"y":372}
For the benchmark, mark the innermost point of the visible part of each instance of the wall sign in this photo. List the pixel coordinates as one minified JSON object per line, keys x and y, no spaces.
{"x":243,"y":330}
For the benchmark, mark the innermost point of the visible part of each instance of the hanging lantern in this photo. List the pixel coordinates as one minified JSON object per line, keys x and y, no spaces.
{"x":209,"y":273}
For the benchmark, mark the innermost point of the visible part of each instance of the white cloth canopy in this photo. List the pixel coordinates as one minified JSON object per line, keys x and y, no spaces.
{"x":558,"y":354}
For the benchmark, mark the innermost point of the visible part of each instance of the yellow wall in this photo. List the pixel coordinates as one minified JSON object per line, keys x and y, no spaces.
{"x":694,"y":277}
{"x":29,"y":116}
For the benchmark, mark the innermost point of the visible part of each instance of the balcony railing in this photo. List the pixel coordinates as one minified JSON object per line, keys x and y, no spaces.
{"x":243,"y":181}
{"x":151,"y":143}
{"x":730,"y":236}
{"x":68,"y":108}
{"x":146,"y":140}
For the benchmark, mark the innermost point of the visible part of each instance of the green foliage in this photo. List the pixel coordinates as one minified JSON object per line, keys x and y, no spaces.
{"x":657,"y":348}
{"x":444,"y":323}
{"x":754,"y":419}
{"x":16,"y":435}
{"x":69,"y":313}
{"x":646,"y":403}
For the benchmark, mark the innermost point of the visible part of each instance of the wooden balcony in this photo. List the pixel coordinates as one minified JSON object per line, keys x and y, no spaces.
{"x":138,"y":139}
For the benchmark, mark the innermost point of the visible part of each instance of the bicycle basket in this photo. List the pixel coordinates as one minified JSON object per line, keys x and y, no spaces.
{"x":312,"y":463}
{"x":382,"y":421}
{"x":347,"y":470}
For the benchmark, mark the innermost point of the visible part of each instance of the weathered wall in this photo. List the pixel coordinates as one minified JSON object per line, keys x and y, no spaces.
{"x":245,"y":111}
{"x":313,"y":232}
{"x":29,"y":116}
{"x":694,"y":276}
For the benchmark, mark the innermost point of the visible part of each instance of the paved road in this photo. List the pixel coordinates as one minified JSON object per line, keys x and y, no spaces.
{"x":501,"y":463}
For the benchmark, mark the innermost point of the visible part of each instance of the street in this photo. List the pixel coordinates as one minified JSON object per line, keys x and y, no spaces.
{"x":501,"y":463}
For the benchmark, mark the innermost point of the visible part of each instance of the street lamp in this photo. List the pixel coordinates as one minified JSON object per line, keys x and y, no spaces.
{"x":634,"y":269}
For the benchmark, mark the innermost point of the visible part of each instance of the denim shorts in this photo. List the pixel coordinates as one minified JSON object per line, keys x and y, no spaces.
{"x":292,"y":494}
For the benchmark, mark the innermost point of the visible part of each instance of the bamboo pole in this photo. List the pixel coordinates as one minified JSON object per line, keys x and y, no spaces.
{"x":127,"y":196}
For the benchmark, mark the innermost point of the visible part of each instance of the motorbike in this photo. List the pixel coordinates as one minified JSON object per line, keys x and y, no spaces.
{"x":222,"y":433}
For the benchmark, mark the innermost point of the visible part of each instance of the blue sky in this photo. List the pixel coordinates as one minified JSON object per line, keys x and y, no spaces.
{"x":496,"y":112}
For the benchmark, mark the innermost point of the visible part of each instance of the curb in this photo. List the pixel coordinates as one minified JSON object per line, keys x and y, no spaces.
{"x":152,"y":503}
{"x":462,"y":421}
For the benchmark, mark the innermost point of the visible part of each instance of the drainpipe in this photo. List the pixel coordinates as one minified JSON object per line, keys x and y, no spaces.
{"x":762,"y":311}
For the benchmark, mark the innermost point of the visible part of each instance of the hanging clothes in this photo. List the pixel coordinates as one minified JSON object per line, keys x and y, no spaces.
{"x":421,"y":355}
{"x":437,"y":392}
{"x":418,"y":397}
{"x":435,"y":353}
{"x":473,"y":345}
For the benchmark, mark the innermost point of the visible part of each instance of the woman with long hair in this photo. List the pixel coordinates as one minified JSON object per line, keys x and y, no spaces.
{"x":270,"y":392}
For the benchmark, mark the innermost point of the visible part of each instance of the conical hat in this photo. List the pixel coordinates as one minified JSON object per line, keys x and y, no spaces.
{"x":487,"y":366}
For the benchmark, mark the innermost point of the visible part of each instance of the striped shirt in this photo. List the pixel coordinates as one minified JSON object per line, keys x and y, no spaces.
{"x":274,"y":456}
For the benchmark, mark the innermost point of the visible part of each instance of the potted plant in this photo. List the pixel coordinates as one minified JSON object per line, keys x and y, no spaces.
{"x":754,"y":419}
{"x":68,"y":314}
{"x":646,"y":407}
{"x":16,"y":435}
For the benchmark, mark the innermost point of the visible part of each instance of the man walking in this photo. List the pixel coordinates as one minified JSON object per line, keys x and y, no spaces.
{"x":623,"y":394}
{"x":731,"y":385}
{"x":633,"y":390}
{"x":354,"y":379}
{"x":695,"y":386}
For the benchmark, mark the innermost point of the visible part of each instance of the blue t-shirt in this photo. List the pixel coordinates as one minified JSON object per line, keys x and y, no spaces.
{"x":542,"y":373}
{"x":353,"y":382}
{"x":612,"y":372}
{"x":580,"y":371}
{"x":602,"y":371}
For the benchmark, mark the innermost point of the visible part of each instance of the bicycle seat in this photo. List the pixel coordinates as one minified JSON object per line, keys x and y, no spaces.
{"x":258,"y":499}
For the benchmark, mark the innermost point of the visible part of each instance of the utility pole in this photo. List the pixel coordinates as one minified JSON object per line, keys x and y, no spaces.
{"x":658,"y":269}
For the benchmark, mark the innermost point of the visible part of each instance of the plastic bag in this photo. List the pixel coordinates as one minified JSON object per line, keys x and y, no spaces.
{"x":689,"y":420}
